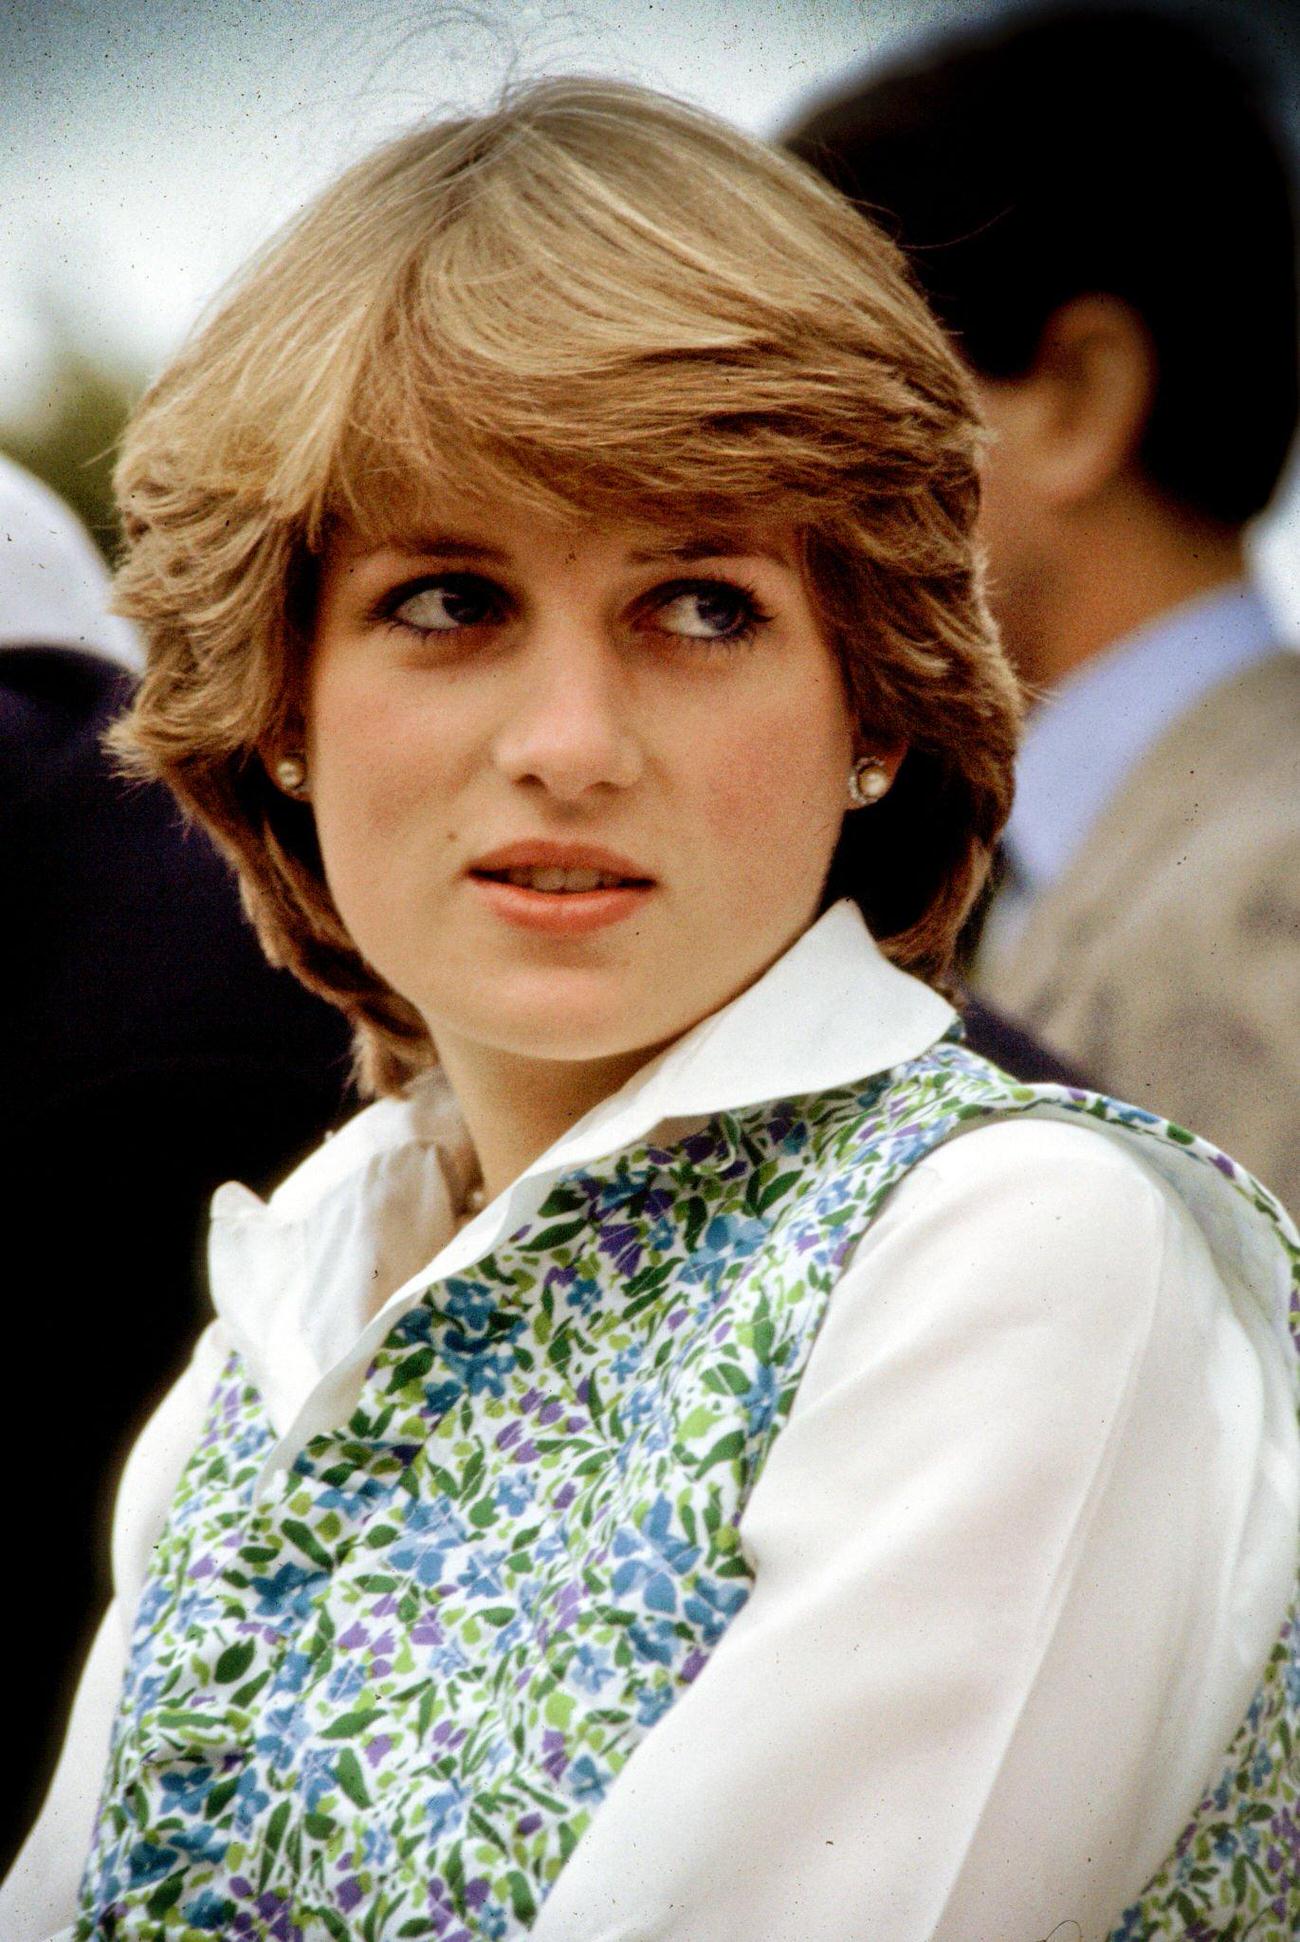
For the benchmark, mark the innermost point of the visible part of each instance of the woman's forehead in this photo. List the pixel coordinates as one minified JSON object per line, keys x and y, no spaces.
{"x":491,"y":529}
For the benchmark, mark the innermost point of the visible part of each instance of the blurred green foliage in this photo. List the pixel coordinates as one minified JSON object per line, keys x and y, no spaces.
{"x":69,"y":436}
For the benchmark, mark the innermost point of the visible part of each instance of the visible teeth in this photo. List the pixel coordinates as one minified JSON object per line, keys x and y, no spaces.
{"x":556,"y":879}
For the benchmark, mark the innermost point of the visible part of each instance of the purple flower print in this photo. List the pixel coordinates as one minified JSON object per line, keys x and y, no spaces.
{"x":693,"y":1666}
{"x":555,"y":1752}
{"x":623,"y":1243}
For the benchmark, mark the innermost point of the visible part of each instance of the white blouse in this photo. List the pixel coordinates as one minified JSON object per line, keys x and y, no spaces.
{"x":1020,"y":1553}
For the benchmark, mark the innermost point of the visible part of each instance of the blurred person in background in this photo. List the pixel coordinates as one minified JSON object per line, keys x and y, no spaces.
{"x":1097,"y":206}
{"x":151,"y":1053}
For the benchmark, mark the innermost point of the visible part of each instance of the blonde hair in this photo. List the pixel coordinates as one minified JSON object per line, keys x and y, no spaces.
{"x":599,"y":302}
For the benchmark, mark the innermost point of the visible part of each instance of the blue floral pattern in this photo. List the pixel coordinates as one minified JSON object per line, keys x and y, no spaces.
{"x":385,"y":1697}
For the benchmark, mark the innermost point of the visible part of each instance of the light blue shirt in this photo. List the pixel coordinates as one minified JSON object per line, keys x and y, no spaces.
{"x":1087,"y":736}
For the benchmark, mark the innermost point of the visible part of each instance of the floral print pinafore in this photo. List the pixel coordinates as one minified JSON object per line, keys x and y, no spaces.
{"x":383,"y":1698}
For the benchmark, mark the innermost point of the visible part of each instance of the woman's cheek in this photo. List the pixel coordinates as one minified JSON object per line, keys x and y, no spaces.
{"x":775,"y":808}
{"x":375,"y":759}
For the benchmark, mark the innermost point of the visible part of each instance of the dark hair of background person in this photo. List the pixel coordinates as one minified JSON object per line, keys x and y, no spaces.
{"x":1069,"y":151}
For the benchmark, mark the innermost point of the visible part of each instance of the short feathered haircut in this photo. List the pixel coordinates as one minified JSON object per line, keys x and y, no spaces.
{"x":598,"y":303}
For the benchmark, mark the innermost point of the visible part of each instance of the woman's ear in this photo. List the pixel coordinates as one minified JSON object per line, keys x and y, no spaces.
{"x":1077,"y":419}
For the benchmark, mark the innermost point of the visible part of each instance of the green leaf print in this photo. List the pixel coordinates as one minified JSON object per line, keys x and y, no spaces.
{"x":347,"y":1771}
{"x":234,"y":1662}
{"x":307,"y":1542}
{"x":725,"y":1450}
{"x":351,"y":1724}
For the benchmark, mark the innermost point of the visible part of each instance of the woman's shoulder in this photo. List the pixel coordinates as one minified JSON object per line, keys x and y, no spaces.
{"x":1042,"y":1261}
{"x":1037,"y":1156}
{"x":1098,"y":1195}
{"x":953,"y":1094}
{"x":157,"y":1458}
{"x":960,"y":1118}
{"x":1070,"y":1191}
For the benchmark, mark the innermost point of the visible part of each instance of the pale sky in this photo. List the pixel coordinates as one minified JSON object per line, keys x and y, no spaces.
{"x":146,"y":146}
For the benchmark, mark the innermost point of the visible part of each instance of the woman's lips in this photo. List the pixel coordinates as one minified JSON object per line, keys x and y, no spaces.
{"x":563,"y":888}
{"x":562,"y":912}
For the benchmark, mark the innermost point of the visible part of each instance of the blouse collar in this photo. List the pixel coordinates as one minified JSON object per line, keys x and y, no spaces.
{"x":310,"y":1282}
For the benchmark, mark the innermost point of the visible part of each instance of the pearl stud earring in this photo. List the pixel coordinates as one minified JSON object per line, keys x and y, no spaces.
{"x":868,"y":781}
{"x":291,"y":774}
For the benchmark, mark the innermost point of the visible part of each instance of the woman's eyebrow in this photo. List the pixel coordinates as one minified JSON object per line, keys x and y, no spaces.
{"x":443,"y":546}
{"x":711,"y":546}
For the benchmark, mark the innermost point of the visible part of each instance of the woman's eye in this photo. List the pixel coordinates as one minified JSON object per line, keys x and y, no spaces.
{"x":711,"y":611}
{"x":444,"y":606}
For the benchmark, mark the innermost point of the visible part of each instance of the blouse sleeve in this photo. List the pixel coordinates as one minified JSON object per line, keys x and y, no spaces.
{"x":1019,"y":1555}
{"x":39,"y":1895}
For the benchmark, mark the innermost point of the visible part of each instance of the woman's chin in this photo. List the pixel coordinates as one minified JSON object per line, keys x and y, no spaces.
{"x":561,"y":1033}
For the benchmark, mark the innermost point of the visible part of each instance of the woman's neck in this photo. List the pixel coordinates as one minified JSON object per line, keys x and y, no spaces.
{"x":515,"y":1107}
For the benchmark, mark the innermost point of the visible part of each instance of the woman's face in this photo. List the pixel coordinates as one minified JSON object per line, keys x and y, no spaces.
{"x":574,"y":787}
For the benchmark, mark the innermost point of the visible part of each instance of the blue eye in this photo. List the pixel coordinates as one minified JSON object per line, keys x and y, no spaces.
{"x":445,"y":605}
{"x":709,"y":610}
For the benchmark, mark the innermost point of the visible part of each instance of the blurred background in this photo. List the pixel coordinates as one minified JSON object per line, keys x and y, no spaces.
{"x":147,"y":146}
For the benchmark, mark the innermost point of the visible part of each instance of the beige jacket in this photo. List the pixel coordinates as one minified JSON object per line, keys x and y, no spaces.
{"x":1166,"y":961}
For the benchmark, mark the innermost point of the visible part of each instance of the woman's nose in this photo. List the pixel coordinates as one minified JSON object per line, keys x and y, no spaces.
{"x":569,"y":724}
